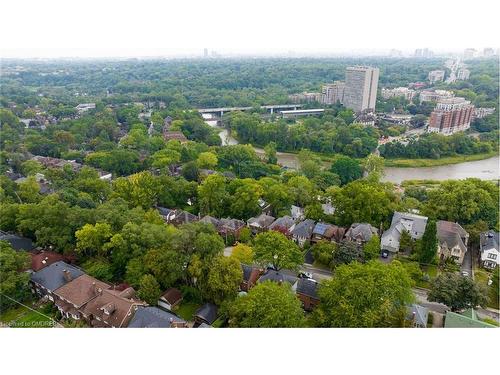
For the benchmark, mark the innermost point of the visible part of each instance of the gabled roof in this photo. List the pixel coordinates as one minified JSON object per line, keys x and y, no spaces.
{"x":304,"y":228}
{"x":321,"y":228}
{"x":489,"y":240}
{"x":250,"y":273}
{"x":308,"y":287}
{"x":182,"y":216}
{"x":467,"y":319}
{"x":81,"y":290}
{"x":285,"y":222}
{"x":172,"y":295}
{"x":262,"y":221}
{"x":210,"y":220}
{"x":231,"y":224}
{"x":278,"y":277}
{"x":17,"y":242}
{"x":363,"y":231}
{"x":44,"y":259}
{"x":207,"y":312}
{"x":418,"y":223}
{"x":56,"y":275}
{"x":421,"y":314}
{"x":153,"y":317}
{"x":451,"y":234}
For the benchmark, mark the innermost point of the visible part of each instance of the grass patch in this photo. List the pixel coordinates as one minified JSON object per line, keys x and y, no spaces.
{"x":481,"y":277}
{"x":418,"y":163}
{"x":33,"y":319}
{"x":12,"y":314}
{"x":186,"y":310}
{"x":219,"y":323}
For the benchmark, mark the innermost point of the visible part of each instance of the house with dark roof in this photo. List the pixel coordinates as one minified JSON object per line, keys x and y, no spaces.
{"x":70,"y":297}
{"x":111,"y":308}
{"x":166,"y":213}
{"x":284,"y":224}
{"x":279,"y":277}
{"x":205,"y":314}
{"x":250,"y":276}
{"x":302,"y":232}
{"x":171,"y":298}
{"x":183,"y":217}
{"x":18,"y":243}
{"x":407,"y":222}
{"x":260,"y":223}
{"x":452,"y":241}
{"x":488,"y":249}
{"x":307,"y":292}
{"x":297,"y":213}
{"x":210,"y":220}
{"x":417,"y":315}
{"x":154,"y":317}
{"x":231,"y":227}
{"x":327,"y":232}
{"x":360,"y":233}
{"x":50,"y":278}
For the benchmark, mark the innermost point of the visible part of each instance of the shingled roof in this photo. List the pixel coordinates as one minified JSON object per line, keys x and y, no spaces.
{"x":154,"y":317}
{"x":56,"y":275}
{"x":81,"y":290}
{"x":308,"y":287}
{"x":451,"y":234}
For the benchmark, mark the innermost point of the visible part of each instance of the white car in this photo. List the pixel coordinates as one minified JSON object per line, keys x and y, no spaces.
{"x":465,"y":274}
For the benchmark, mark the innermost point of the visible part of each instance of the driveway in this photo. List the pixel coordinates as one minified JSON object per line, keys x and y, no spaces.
{"x":228,"y":251}
{"x":467,"y":263}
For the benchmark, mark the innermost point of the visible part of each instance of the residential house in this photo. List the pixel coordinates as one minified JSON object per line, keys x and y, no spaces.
{"x":284,"y":224}
{"x":231,"y":227}
{"x":45,"y":281}
{"x":153,"y":317}
{"x":303,"y":231}
{"x":183,"y":217}
{"x":210,"y":220}
{"x":260,"y":223}
{"x":466,"y":319}
{"x":17,"y":242}
{"x":44,"y":259}
{"x":167,"y":214}
{"x":111,"y":308}
{"x":70,"y":297}
{"x":327,"y":208}
{"x":417,"y":315}
{"x":413,"y":224}
{"x":250,"y":276}
{"x":307,"y":292}
{"x":205,"y":314}
{"x":360,"y":233}
{"x":452,"y":240}
{"x":327,"y":232}
{"x":488,"y":249}
{"x":279,"y":277}
{"x":171,"y":298}
{"x":264,"y":206}
{"x":297,"y":213}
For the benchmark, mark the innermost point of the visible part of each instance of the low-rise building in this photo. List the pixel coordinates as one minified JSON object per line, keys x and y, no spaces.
{"x":171,"y":298}
{"x":47,"y":280}
{"x":413,"y":224}
{"x":206,"y":314}
{"x":333,"y":93}
{"x":260,"y":223}
{"x":404,"y":92}
{"x":307,"y":292}
{"x":417,"y":315}
{"x":153,"y":317}
{"x":302,"y":232}
{"x":284,"y":224}
{"x":434,"y":95}
{"x":483,"y":112}
{"x":452,"y":241}
{"x":489,"y":249}
{"x":466,"y":319}
{"x":250,"y":276}
{"x":360,"y":233}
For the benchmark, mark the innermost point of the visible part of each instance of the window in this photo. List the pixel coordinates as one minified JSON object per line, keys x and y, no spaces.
{"x":492,"y":256}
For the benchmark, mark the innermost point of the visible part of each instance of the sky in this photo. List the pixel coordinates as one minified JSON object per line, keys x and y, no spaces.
{"x":113,"y":28}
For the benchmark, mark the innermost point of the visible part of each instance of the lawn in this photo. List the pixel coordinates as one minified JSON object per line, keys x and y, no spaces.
{"x":482,"y":276}
{"x":12,"y":314}
{"x":186,"y":310}
{"x":417,"y":163}
{"x":25,"y":318}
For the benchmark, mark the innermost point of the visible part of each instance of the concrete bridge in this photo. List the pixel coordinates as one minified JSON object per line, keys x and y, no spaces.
{"x":270,"y":108}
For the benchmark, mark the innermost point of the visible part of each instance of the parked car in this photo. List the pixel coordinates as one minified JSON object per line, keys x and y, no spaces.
{"x":305,"y":275}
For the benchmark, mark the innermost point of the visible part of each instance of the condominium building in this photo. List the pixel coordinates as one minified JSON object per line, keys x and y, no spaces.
{"x":483,"y":112}
{"x":333,"y":93}
{"x":361,"y":83}
{"x":435,"y":95}
{"x":451,"y":115}
{"x":488,"y":52}
{"x":305,"y":97}
{"x":469,"y":53}
{"x":436,"y":76}
{"x":407,"y":93}
{"x":463,"y":74}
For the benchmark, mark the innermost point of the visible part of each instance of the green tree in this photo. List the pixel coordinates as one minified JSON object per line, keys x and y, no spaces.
{"x":456,"y":292}
{"x":99,"y":268}
{"x":213,"y":196}
{"x":347,"y":169}
{"x":427,"y":249}
{"x":274,"y":248}
{"x":165,"y":265}
{"x":364,"y":295}
{"x":13,"y":279}
{"x":223,"y":279}
{"x":136,"y":269}
{"x":207,"y":160}
{"x":29,"y":191}
{"x":347,"y":252}
{"x":90,"y":239}
{"x":270,"y":150}
{"x":406,"y":243}
{"x":243,"y":253}
{"x":267,"y":305}
{"x":323,"y":252}
{"x":149,"y":290}
{"x":371,"y":249}
{"x":245,"y":200}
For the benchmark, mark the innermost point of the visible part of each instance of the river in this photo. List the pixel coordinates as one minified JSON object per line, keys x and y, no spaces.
{"x":487,"y":169}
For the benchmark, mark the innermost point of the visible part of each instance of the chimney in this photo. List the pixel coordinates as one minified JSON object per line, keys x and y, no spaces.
{"x":67,"y":275}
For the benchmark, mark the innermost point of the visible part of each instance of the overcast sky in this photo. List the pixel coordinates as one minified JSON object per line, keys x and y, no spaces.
{"x":111,"y":28}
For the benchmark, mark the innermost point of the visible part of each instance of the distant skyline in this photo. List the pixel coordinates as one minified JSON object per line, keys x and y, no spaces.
{"x":112,"y":28}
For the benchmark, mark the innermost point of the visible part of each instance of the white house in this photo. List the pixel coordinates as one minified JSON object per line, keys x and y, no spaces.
{"x":488,"y":242}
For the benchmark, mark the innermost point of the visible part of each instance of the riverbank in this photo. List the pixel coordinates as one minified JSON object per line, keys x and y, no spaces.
{"x":421,"y":163}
